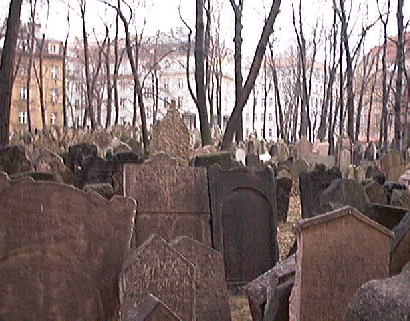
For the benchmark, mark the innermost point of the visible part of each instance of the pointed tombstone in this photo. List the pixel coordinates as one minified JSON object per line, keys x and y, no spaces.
{"x":211,"y":291}
{"x":95,"y":231}
{"x":337,"y":252}
{"x":157,"y":268}
{"x":150,"y":309}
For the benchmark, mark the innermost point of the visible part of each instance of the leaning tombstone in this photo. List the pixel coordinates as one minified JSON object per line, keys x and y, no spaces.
{"x":150,"y":309}
{"x":244,"y":221}
{"x":211,"y":291}
{"x":344,"y":153}
{"x":393,"y":164}
{"x":62,"y":219}
{"x":376,"y":193}
{"x":157,"y":268}
{"x":173,"y":201}
{"x":400,"y":198}
{"x":337,"y":252}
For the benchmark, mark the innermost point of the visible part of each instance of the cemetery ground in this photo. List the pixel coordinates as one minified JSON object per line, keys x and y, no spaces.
{"x":237,"y":299}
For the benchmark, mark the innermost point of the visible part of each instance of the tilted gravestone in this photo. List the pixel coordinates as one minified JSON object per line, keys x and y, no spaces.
{"x":382,"y":300}
{"x":157,"y":268}
{"x":40,"y":285}
{"x":211,"y":291}
{"x":337,"y":252}
{"x":312,"y":184}
{"x":393,"y":164}
{"x":344,"y":153}
{"x":376,"y":193}
{"x":244,"y":221}
{"x":60,"y":218}
{"x":150,"y":309}
{"x":173,"y":201}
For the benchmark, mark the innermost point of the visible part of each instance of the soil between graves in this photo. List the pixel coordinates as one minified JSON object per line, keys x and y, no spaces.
{"x":237,"y":299}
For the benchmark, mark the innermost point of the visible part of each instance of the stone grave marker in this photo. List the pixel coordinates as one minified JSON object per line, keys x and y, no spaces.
{"x":172,"y":136}
{"x":320,"y":148}
{"x":14,"y":159}
{"x":376,"y":193}
{"x":157,"y":268}
{"x":244,"y":221}
{"x":40,"y":285}
{"x":150,"y":309}
{"x":161,"y":158}
{"x":386,"y":215}
{"x":344,"y":153}
{"x":400,"y":247}
{"x":303,"y":148}
{"x":298,"y":167}
{"x":283,"y":188}
{"x":337,"y":252}
{"x":211,"y":291}
{"x":393,"y":164}
{"x":173,"y":201}
{"x":400,"y":198}
{"x":312,"y":184}
{"x":61,"y":218}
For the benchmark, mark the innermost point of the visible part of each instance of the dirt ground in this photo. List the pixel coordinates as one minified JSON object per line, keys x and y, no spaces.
{"x":238,"y":300}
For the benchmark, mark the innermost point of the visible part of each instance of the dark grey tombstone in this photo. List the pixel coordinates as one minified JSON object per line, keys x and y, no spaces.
{"x":312,"y":184}
{"x":150,"y":309}
{"x":93,"y":170}
{"x":211,"y":291}
{"x":400,"y":198}
{"x":224,"y":159}
{"x":346,"y":192}
{"x":386,"y":215}
{"x":157,"y":268}
{"x":13,"y":159}
{"x":382,"y":300}
{"x":172,"y":201}
{"x":39,"y":285}
{"x":376,"y":193}
{"x":283,"y":187}
{"x":253,"y":161}
{"x":400,"y":247}
{"x":78,"y":152}
{"x":104,"y":189}
{"x":260,"y":290}
{"x":93,"y":230}
{"x":244,"y":221}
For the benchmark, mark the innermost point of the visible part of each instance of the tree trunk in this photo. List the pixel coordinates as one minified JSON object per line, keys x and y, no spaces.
{"x":399,"y":77}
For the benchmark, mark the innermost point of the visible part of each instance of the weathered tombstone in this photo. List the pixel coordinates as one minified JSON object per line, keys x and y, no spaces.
{"x":253,"y":161}
{"x":400,"y":198}
{"x":382,"y":300}
{"x":171,"y":135}
{"x":104,"y":189}
{"x":93,"y":170}
{"x":162,"y":158}
{"x":386,"y":215}
{"x":13,"y":159}
{"x":392,"y":163}
{"x":78,"y":152}
{"x":40,"y":285}
{"x":337,"y":252}
{"x":283,"y":187}
{"x":344,"y":153}
{"x":400,"y":247}
{"x":211,"y":291}
{"x":346,"y":192}
{"x":312,"y":184}
{"x":58,"y":217}
{"x":405,"y":178}
{"x":150,"y":309}
{"x":156,"y":268}
{"x":298,"y":167}
{"x":224,"y":159}
{"x":303,"y":147}
{"x":259,"y":290}
{"x":173,"y":201}
{"x":282,"y":151}
{"x":244,"y":221}
{"x":370,"y":152}
{"x":376,"y":193}
{"x":320,"y":148}
{"x":357,"y":154}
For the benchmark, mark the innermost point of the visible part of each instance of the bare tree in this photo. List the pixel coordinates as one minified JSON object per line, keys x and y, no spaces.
{"x":7,"y":67}
{"x":241,"y":100}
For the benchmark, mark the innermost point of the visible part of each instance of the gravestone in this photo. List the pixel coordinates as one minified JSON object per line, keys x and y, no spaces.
{"x":400,"y":198}
{"x":40,"y":285}
{"x":211,"y":291}
{"x":370,"y":152}
{"x":50,"y":162}
{"x":344,"y":153}
{"x":259,"y":290}
{"x":400,"y":247}
{"x":253,"y":161}
{"x":14,"y":159}
{"x":393,"y":164}
{"x":162,"y":158}
{"x":283,"y":188}
{"x":312,"y":184}
{"x":346,"y":192}
{"x":224,"y":159}
{"x":173,"y":201}
{"x":376,"y":193}
{"x":150,"y":309}
{"x":171,"y":135}
{"x":58,"y":217}
{"x":386,"y":215}
{"x":156,"y":268}
{"x":93,"y":170}
{"x":303,"y":148}
{"x":405,"y":178}
{"x":280,"y":151}
{"x":382,"y":300}
{"x":244,"y":221}
{"x":320,"y":148}
{"x":77,"y":153}
{"x":337,"y":252}
{"x":298,"y":167}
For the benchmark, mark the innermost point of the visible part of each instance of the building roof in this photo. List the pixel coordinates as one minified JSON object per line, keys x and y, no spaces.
{"x":339,"y":213}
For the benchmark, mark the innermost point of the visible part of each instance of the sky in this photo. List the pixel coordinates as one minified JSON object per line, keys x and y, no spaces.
{"x":163,"y":15}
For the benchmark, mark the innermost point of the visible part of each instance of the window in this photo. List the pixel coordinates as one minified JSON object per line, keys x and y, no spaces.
{"x":263,"y":101}
{"x":270,"y":132}
{"x":270,"y":116}
{"x":54,"y":72}
{"x":23,"y":118}
{"x":54,"y":95}
{"x":166,"y":84}
{"x":23,"y":70}
{"x":53,"y":48}
{"x":180,"y":83}
{"x":270,"y":102}
{"x":23,"y":93}
{"x":122,"y":103}
{"x":53,"y":118}
{"x":77,"y":104}
{"x":179,"y":102}
{"x":166,"y":101}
